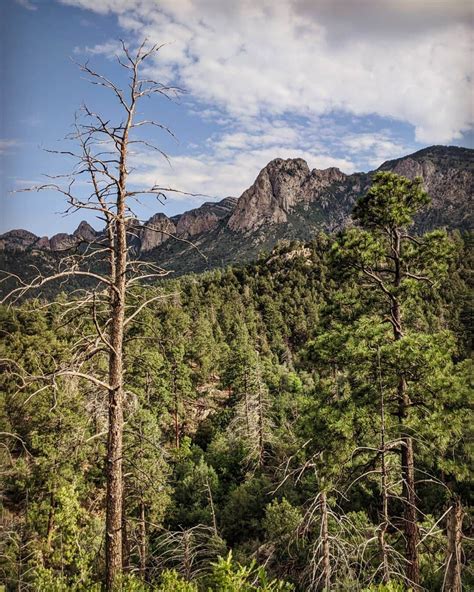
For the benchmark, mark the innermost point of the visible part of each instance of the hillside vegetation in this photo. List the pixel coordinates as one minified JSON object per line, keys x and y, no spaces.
{"x":263,"y":435}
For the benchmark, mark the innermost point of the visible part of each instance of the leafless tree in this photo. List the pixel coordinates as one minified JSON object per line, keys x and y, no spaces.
{"x":119,"y":286}
{"x":455,"y":517}
{"x":189,"y":551}
{"x":252,"y":420}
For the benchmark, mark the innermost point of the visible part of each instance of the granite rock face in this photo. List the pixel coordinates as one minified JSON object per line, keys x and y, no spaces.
{"x":275,"y":192}
{"x":280,"y":187}
{"x":85,"y":232}
{"x":284,"y":185}
{"x":63,"y":241}
{"x":155,"y":231}
{"x":448,"y":177}
{"x":21,"y":240}
{"x":204,"y":218}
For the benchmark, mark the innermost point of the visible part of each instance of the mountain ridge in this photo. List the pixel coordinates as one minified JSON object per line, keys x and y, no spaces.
{"x":286,"y":201}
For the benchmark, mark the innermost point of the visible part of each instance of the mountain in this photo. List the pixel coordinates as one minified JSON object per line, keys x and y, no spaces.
{"x":204,"y":218}
{"x":287,"y":201}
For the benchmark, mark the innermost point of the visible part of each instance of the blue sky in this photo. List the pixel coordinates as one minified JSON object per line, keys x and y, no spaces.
{"x":339,"y":83}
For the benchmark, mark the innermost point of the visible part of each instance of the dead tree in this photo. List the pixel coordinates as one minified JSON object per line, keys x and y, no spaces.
{"x":119,"y":286}
{"x":252,"y":421}
{"x":383,"y":479}
{"x":454,"y":521}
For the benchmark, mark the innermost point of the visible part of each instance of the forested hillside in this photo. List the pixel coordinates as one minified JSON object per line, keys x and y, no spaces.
{"x":269,"y":412}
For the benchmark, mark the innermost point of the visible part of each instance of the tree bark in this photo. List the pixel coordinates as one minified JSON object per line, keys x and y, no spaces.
{"x":326,"y":573}
{"x":407,"y":455}
{"x":261,"y":439}
{"x":142,"y":541}
{"x":49,"y":528}
{"x":454,"y":563}
{"x":176,"y":411}
{"x":211,"y":504}
{"x":384,"y":483}
{"x":113,"y":546}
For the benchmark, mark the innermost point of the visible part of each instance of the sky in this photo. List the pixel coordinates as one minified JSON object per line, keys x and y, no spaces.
{"x":345,"y":83}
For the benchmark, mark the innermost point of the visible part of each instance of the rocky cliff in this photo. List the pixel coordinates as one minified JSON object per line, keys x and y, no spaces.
{"x":144,"y":237}
{"x":448,"y":176}
{"x":21,"y":240}
{"x":285,"y":186}
{"x":204,"y":218}
{"x":279,"y":188}
{"x":154,"y":232}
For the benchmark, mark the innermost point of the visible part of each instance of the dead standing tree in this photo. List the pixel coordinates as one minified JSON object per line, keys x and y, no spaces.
{"x":103,"y":156}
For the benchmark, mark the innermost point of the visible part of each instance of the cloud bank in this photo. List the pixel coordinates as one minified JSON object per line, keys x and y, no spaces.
{"x":407,"y":60}
{"x":257,"y":65}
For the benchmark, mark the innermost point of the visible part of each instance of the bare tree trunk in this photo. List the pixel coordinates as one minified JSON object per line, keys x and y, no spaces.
{"x":407,"y":455}
{"x":114,"y":446}
{"x":142,"y":541}
{"x":49,"y":528}
{"x":261,"y":428}
{"x":211,"y":503}
{"x":411,"y":527}
{"x":384,"y":485}
{"x":326,"y":573}
{"x":176,"y":416}
{"x":454,"y":532}
{"x":103,"y":157}
{"x":113,"y":547}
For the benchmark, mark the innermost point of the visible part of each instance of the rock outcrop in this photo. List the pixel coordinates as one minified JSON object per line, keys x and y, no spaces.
{"x":275,"y":192}
{"x":155,"y":231}
{"x":204,"y":218}
{"x":448,"y":177}
{"x":279,"y":188}
{"x":85,"y":232}
{"x":18,"y":240}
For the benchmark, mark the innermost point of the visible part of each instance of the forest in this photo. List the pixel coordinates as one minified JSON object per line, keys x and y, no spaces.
{"x":300,"y":423}
{"x":263,"y":436}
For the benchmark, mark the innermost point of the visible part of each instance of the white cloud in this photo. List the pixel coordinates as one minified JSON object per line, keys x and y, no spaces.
{"x":230,"y":162}
{"x":6,"y":145}
{"x":285,"y":78}
{"x":409,"y":61}
{"x":374,"y":148}
{"x":109,"y":49}
{"x":211,"y":176}
{"x":27,"y":4}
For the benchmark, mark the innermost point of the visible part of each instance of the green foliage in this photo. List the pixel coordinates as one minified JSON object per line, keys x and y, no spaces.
{"x":390,"y":587}
{"x":171,"y":581}
{"x":391,"y":201}
{"x":228,"y":576}
{"x":281,"y":521}
{"x":249,"y":391}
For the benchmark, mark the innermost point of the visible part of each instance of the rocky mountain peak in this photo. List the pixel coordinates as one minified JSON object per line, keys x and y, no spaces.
{"x":271,"y":197}
{"x":279,"y":188}
{"x":447,"y":173}
{"x":286,"y":201}
{"x":155,"y":231}
{"x":17,"y":240}
{"x":85,"y":232}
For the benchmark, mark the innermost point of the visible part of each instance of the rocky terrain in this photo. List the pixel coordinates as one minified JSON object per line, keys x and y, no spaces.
{"x":286,"y":201}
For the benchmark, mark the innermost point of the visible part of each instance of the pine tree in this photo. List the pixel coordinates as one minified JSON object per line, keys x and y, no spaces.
{"x":395,"y":262}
